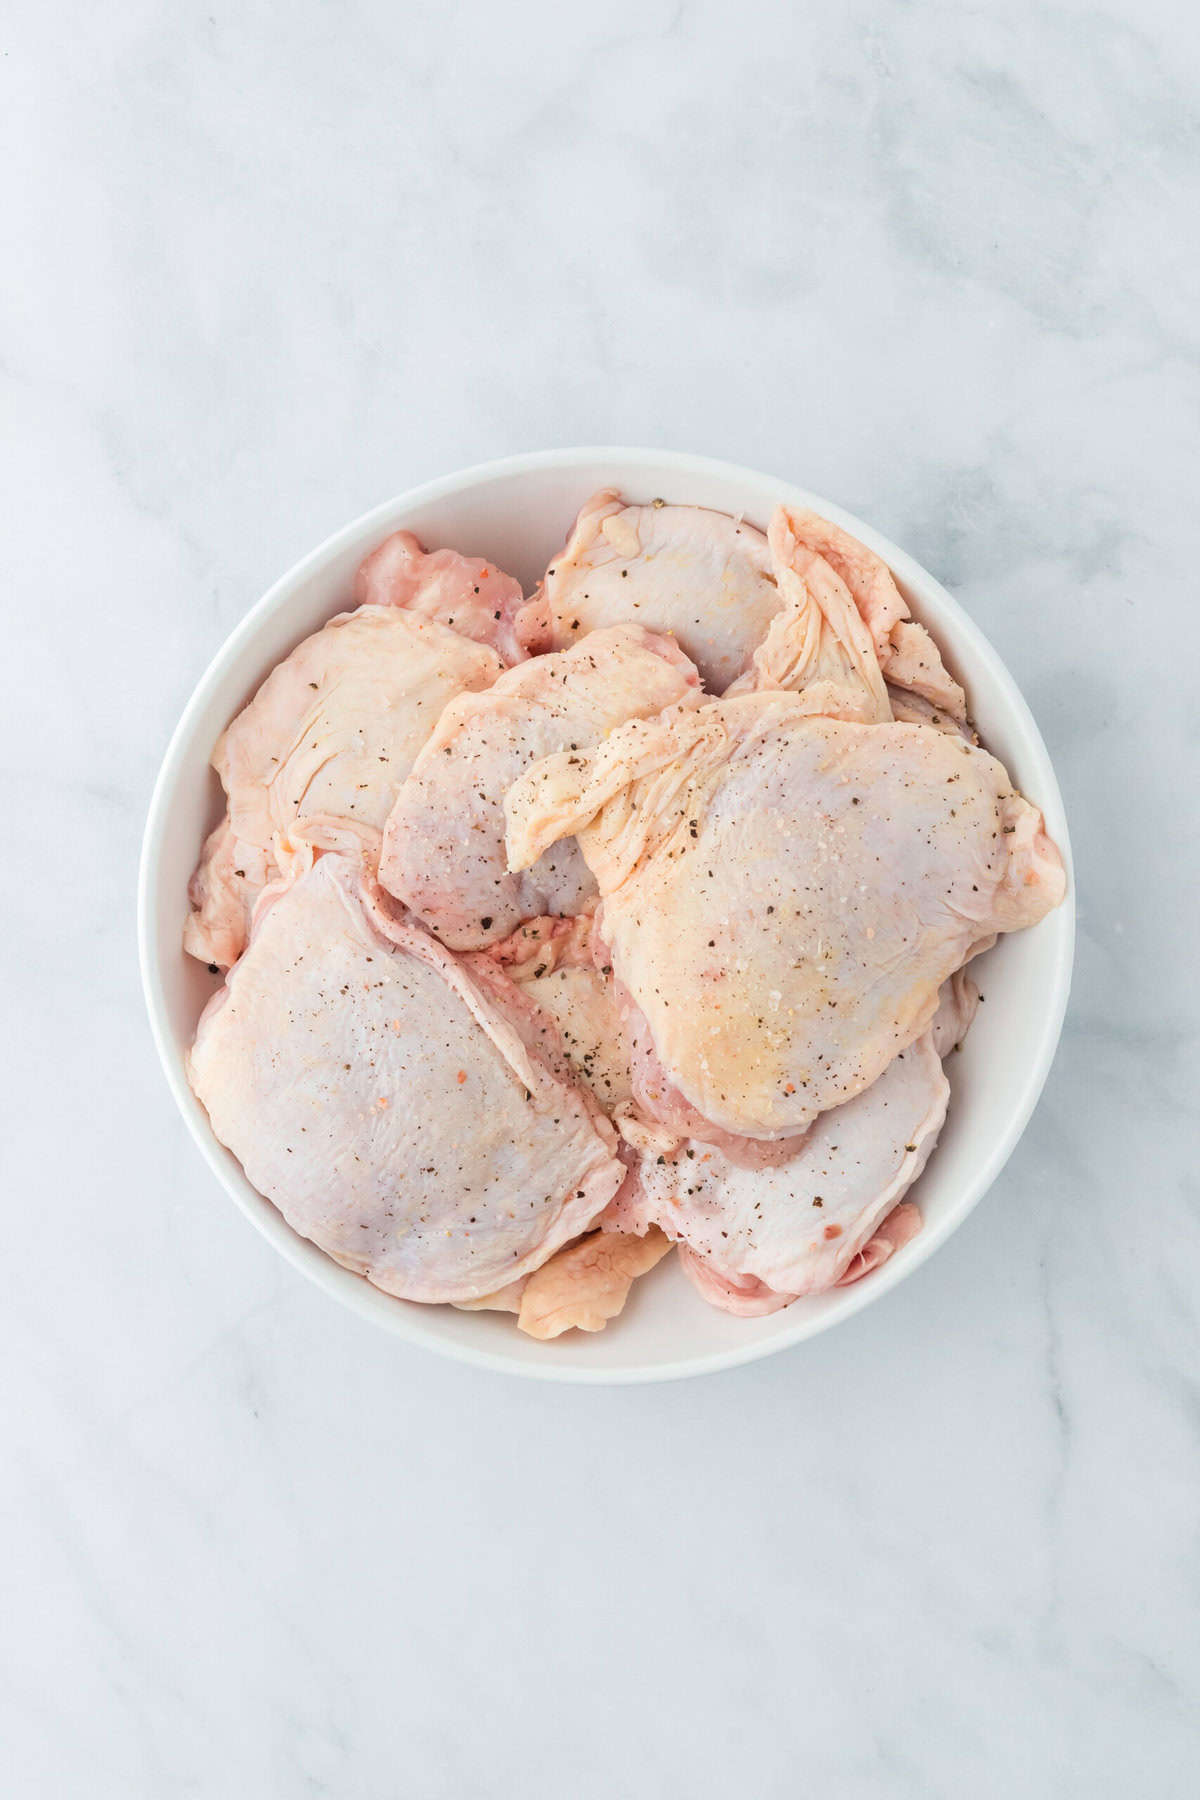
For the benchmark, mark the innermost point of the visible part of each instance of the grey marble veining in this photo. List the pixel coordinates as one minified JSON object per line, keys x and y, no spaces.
{"x":938,"y":263}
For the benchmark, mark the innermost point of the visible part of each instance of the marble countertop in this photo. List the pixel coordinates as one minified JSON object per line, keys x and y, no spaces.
{"x":269,"y":267}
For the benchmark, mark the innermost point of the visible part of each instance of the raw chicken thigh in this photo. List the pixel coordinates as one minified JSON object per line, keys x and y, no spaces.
{"x":907,"y":655}
{"x":409,"y":1113}
{"x":337,"y":726}
{"x":783,"y":895}
{"x":443,"y":851}
{"x":758,"y":1237}
{"x":702,"y":576}
{"x":470,"y":595}
{"x":827,"y":1209}
{"x":333,"y":729}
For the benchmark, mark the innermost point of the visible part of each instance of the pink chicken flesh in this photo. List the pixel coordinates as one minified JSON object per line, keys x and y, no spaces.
{"x":467,"y":593}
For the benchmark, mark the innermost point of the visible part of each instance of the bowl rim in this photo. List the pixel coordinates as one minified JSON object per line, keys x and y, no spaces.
{"x":406,"y":1322}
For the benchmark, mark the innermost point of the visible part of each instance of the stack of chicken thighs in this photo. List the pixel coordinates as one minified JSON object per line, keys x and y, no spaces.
{"x":563,"y":932}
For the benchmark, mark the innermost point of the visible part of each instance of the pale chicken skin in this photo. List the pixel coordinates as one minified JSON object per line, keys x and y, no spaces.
{"x":783,"y":895}
{"x":907,"y":655}
{"x":467,"y":593}
{"x":334,"y":729}
{"x":229,"y":878}
{"x":701,"y":576}
{"x":824,"y":1212}
{"x":750,"y":1298}
{"x":958,"y":1003}
{"x":565,"y":970}
{"x":411,"y":1114}
{"x":586,"y":1285}
{"x":844,"y":636}
{"x":579,"y":1000}
{"x":818,"y":643}
{"x":795,"y":1225}
{"x":443,"y":850}
{"x":337,"y":726}
{"x":582,"y":1287}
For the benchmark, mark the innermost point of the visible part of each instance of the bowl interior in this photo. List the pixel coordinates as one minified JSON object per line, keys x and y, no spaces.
{"x":518,"y":513}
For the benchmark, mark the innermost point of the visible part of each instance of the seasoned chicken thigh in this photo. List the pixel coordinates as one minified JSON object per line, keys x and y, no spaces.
{"x":470,"y":595}
{"x":443,"y":851}
{"x":334,"y":729}
{"x":827,"y":1208}
{"x":738,"y":850}
{"x":758,"y":1237}
{"x":751,"y":1298}
{"x":337,"y":726}
{"x":409,"y":1113}
{"x":702,"y":576}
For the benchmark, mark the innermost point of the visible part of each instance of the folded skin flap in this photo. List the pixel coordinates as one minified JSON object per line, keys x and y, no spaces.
{"x":444,"y":850}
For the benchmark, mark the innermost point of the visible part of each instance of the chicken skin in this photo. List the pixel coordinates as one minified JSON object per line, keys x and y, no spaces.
{"x":784,"y":895}
{"x":564,"y":968}
{"x":229,"y":878}
{"x":586,"y":1285}
{"x":908,"y":657}
{"x":818,"y":643}
{"x":334,"y":729}
{"x":411,"y":1114}
{"x":443,"y":851}
{"x":795,"y":1226}
{"x":701,"y":576}
{"x":826,"y":1208}
{"x":471,"y":596}
{"x":582,"y":1287}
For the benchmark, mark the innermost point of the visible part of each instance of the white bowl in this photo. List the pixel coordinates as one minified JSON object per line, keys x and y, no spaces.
{"x":516,"y":513}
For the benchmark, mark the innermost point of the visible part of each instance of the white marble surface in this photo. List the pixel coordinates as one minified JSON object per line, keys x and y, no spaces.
{"x":270,"y":265}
